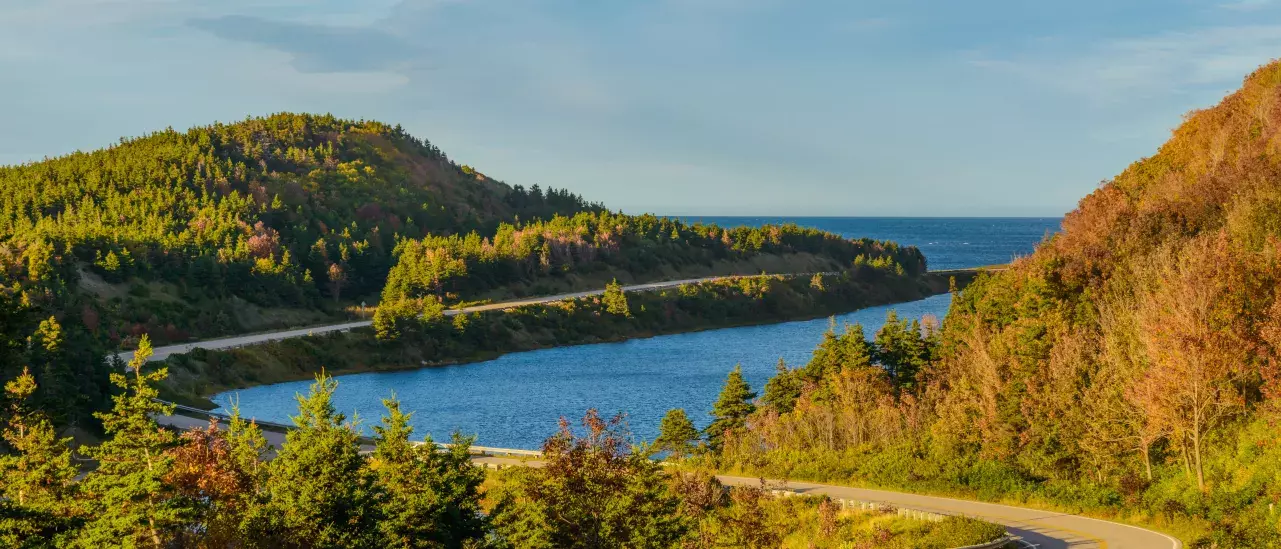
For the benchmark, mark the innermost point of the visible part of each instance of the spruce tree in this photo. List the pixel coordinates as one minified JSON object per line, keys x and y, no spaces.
{"x":129,"y":501}
{"x":782,"y":390}
{"x":593,"y":492}
{"x":321,"y":494}
{"x":37,"y":478}
{"x":731,"y":409}
{"x":901,"y":350}
{"x":247,"y":449}
{"x":432,"y":496}
{"x":676,"y":434}
{"x":826,"y":358}
{"x":615,"y":300}
{"x":222,"y":470}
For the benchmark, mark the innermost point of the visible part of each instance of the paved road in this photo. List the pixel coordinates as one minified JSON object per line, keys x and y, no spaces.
{"x":161,"y":353}
{"x":277,"y":439}
{"x":1042,"y":529}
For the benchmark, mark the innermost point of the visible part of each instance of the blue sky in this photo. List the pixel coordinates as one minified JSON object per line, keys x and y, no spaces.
{"x":682,"y":107}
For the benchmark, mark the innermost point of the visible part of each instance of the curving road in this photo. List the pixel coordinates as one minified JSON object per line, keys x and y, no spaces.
{"x":1036,"y":528}
{"x":1041,"y":529}
{"x":161,"y":353}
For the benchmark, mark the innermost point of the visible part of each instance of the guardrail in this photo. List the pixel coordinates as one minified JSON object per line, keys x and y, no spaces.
{"x":906,"y":512}
{"x":280,"y":427}
{"x":843,"y":503}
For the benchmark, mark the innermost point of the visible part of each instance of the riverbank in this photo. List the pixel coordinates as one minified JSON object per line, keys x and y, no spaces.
{"x":475,"y":337}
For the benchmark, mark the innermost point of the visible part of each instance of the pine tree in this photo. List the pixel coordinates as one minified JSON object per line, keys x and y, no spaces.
{"x":37,"y":478}
{"x":223,"y":470}
{"x":826,"y":358}
{"x":901,"y":350}
{"x":855,"y":352}
{"x":615,"y":300}
{"x":321,"y":494}
{"x":676,"y":434}
{"x":252,"y":516}
{"x":782,"y":390}
{"x":592,"y":493}
{"x":731,"y":409}
{"x":129,"y":500}
{"x":432,"y":496}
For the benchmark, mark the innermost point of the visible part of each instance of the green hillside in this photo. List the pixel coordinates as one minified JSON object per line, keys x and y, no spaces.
{"x":195,"y":233}
{"x":295,"y":219}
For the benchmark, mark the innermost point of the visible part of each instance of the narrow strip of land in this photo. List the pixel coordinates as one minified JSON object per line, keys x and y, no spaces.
{"x":161,"y":353}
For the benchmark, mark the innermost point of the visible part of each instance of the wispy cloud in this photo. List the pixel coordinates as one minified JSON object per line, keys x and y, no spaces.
{"x":1139,"y":68}
{"x":317,"y":48}
{"x":1247,"y":5}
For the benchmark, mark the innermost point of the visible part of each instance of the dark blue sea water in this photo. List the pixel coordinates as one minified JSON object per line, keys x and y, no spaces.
{"x":948,"y":243}
{"x":515,"y":401}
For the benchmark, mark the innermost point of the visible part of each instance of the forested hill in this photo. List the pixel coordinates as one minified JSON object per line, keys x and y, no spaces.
{"x":1139,"y":348}
{"x":1144,"y":338}
{"x":288,"y":197}
{"x":1129,"y":366}
{"x":295,"y":219}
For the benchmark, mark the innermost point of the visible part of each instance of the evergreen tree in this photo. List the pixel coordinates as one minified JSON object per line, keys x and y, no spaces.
{"x":591,"y":493}
{"x":247,"y":514}
{"x":13,"y":320}
{"x":130,"y":503}
{"x":782,"y":390}
{"x":615,"y":300}
{"x":432,"y":496}
{"x":731,"y":408}
{"x":826,"y":357}
{"x":901,"y":350}
{"x":676,"y":434}
{"x":37,"y":478}
{"x":223,"y":470}
{"x":321,"y":494}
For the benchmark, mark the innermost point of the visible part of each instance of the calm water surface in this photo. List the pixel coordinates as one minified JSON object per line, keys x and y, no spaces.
{"x":516,"y":400}
{"x":948,"y":243}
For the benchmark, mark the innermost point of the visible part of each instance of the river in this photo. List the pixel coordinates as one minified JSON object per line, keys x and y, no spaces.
{"x":516,"y":400}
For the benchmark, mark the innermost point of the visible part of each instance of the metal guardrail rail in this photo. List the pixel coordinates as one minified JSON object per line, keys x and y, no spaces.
{"x":907,"y":512}
{"x":280,"y":427}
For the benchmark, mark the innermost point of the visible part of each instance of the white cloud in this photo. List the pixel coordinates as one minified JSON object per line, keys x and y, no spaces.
{"x":1246,"y":5}
{"x":1140,"y":68}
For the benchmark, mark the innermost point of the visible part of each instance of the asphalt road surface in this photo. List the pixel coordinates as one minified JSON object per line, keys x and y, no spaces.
{"x":1036,"y":528}
{"x":161,"y":353}
{"x":1041,"y":529}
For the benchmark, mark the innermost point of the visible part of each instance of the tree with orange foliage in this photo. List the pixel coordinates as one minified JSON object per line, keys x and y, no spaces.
{"x":1196,"y":355}
{"x":223,"y":470}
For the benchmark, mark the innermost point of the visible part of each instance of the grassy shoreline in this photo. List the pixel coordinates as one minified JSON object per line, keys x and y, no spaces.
{"x":196,"y":376}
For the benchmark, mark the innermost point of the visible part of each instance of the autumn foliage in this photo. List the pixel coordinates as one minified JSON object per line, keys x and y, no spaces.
{"x":1129,"y":365}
